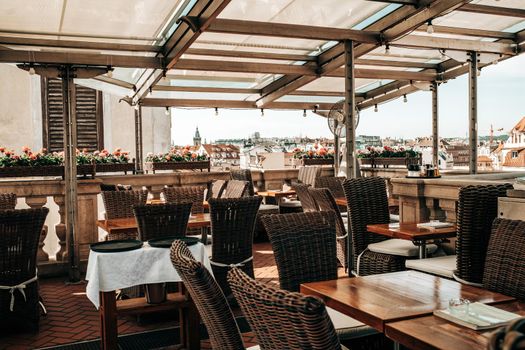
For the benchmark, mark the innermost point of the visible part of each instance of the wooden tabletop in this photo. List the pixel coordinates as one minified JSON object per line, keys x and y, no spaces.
{"x":392,"y":202}
{"x":276,"y":193}
{"x":412,"y":232}
{"x":432,"y":332}
{"x":378,"y":299}
{"x":196,"y":220}
{"x":205,"y":204}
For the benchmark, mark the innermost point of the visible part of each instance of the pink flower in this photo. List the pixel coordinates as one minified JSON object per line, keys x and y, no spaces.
{"x":2,"y":149}
{"x":26,"y":149}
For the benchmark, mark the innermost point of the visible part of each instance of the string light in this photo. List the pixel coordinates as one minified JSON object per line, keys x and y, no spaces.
{"x":442,"y":56}
{"x":110,"y":72}
{"x":31,"y":70}
{"x":136,"y":107}
{"x":150,"y":91}
{"x":375,"y":108}
{"x":216,"y":111}
{"x":405,"y":98}
{"x":262,"y":112}
{"x":164,"y":77}
{"x":167,"y":112}
{"x":304,"y":113}
{"x":430,"y":27}
{"x":387,"y":49}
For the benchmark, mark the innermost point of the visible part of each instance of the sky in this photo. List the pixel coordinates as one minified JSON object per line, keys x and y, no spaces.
{"x":501,"y":102}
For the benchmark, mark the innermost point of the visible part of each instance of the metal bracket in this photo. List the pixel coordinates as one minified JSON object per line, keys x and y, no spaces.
{"x":192,"y":21}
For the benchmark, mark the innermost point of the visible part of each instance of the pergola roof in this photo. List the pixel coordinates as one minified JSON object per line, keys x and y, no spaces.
{"x":258,"y":53}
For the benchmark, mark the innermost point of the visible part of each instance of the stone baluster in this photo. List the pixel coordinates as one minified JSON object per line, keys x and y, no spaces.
{"x":39,"y":202}
{"x":60,"y":229}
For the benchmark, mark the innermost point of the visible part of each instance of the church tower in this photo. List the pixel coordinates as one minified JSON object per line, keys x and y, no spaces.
{"x":197,"y":138}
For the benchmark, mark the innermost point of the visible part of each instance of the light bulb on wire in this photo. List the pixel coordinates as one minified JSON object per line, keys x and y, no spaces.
{"x":375,"y":108}
{"x":136,"y":107}
{"x":31,"y":70}
{"x":430,"y":27}
{"x":216,"y":111}
{"x":304,"y":113}
{"x":405,"y":100}
{"x":262,"y":112}
{"x":167,"y":112}
{"x":110,"y":72}
{"x":442,"y":56}
{"x":387,"y":49}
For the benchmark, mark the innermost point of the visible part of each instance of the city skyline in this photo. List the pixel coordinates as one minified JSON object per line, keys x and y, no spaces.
{"x":501,"y":90}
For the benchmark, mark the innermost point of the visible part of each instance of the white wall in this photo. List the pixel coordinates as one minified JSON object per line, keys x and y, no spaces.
{"x":20,"y":109}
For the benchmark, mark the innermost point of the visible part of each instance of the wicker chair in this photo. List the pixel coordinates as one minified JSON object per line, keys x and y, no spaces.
{"x":307,"y":201}
{"x":368,"y":204}
{"x":504,"y":267}
{"x":119,"y":204}
{"x":7,"y":201}
{"x":326,"y":202}
{"x":232,"y":226}
{"x":208,"y":298}
{"x":161,"y":220}
{"x":334,"y":184}
{"x":304,"y":246}
{"x":282,"y":319}
{"x":215,"y":189}
{"x":20,"y":232}
{"x":308,"y":175}
{"x":244,"y":175}
{"x":191,"y":194}
{"x":235,"y":189}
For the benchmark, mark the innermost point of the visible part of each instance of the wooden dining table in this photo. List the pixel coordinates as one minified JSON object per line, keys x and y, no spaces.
{"x":433,"y":333}
{"x":277,"y":194}
{"x":378,"y":300}
{"x":419,"y":235}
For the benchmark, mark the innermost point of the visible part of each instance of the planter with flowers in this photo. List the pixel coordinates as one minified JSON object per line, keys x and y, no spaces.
{"x":176,"y":160}
{"x":386,"y":156}
{"x":317,"y":156}
{"x":43,"y":163}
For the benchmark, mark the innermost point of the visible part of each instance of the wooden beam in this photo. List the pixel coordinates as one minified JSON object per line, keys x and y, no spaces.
{"x":285,"y":30}
{"x":47,"y":57}
{"x":493,"y":10}
{"x":480,"y":33}
{"x":386,"y":74}
{"x":243,"y":67}
{"x":389,"y":63}
{"x":205,"y":89}
{"x":250,"y":54}
{"x":113,"y":81}
{"x":401,"y":2}
{"x":162,"y":102}
{"x":434,"y":42}
{"x":75,"y":44}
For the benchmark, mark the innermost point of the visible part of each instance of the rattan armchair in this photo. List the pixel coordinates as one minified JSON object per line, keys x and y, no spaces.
{"x":7,"y":201}
{"x":326,"y":202}
{"x":119,"y":204}
{"x":186,"y":194}
{"x":161,"y":220}
{"x":308,"y":175}
{"x":215,"y":189}
{"x":368,"y":204}
{"x":20,"y":232}
{"x":235,"y":189}
{"x":307,"y":201}
{"x":244,"y":175}
{"x":282,"y":319}
{"x":334,"y":184}
{"x":232,"y":226}
{"x":208,"y":298}
{"x":504,"y":264}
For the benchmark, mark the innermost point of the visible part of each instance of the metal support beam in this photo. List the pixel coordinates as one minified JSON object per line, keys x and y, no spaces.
{"x":435,"y":125}
{"x":349,"y":109}
{"x":473,"y":112}
{"x":138,"y":141}
{"x":70,"y":168}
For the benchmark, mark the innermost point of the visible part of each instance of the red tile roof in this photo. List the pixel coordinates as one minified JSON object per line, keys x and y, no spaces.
{"x":520,"y":126}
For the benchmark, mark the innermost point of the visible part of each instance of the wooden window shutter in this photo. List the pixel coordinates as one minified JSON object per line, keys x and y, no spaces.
{"x":90,"y":132}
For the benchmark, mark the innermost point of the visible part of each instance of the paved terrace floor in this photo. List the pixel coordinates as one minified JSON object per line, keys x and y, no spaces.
{"x":72,"y":318}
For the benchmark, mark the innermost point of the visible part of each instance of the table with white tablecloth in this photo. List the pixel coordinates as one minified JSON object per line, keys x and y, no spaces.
{"x":107,"y":272}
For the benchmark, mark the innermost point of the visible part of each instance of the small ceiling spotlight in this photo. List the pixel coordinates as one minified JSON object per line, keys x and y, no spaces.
{"x":430,"y":27}
{"x":167,"y":112}
{"x":405,"y":100}
{"x":375,"y":108}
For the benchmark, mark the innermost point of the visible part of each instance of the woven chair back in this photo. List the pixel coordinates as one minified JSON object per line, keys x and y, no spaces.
{"x":367,"y":204}
{"x":309,"y":174}
{"x":232,"y":226}
{"x":326,"y":202}
{"x":307,"y":201}
{"x":304,"y":247}
{"x":186,"y":194}
{"x":208,"y":298}
{"x":477,"y":208}
{"x":281,"y":319}
{"x":7,"y":201}
{"x":504,"y":266}
{"x":119,"y":204}
{"x":235,"y":189}
{"x":244,"y":175}
{"x":334,"y":184}
{"x":215,"y":189}
{"x":162,"y":220}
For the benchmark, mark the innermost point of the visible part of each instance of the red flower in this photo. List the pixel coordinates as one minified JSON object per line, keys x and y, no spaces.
{"x":2,"y":149}
{"x":32,"y":156}
{"x":8,"y":153}
{"x":26,"y":149}
{"x":193,"y":155}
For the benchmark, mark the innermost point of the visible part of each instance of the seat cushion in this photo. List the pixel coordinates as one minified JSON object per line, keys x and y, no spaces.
{"x":268,"y":208}
{"x":290,"y":204}
{"x":399,"y":247}
{"x":346,"y":327}
{"x":442,"y":265}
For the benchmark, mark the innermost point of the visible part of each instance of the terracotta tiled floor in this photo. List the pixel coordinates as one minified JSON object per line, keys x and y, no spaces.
{"x":71,"y":316}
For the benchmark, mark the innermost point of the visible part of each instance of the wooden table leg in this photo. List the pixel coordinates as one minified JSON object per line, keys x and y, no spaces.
{"x":108,"y":321}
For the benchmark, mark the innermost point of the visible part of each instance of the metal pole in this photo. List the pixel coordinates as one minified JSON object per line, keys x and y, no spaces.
{"x":138,"y":141}
{"x":473,"y":112}
{"x":70,"y":168}
{"x":435,"y":125}
{"x":336,"y":150}
{"x":349,"y":108}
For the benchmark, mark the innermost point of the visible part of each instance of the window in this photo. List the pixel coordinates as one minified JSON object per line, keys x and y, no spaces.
{"x":514,"y":154}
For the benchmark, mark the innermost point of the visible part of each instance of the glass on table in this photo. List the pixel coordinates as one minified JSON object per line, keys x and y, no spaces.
{"x":459,"y":307}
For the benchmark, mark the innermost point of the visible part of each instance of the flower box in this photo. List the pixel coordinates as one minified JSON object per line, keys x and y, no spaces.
{"x":115,"y":167}
{"x":316,"y":161}
{"x":29,"y":171}
{"x":386,"y":162}
{"x":184,"y":165}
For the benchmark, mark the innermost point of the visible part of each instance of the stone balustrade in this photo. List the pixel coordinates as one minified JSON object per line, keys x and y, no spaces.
{"x":54,"y":247}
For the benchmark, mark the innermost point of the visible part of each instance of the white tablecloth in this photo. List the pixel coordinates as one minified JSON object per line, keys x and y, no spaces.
{"x":112,"y":271}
